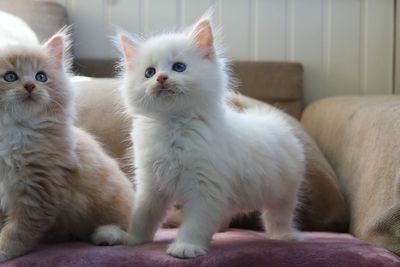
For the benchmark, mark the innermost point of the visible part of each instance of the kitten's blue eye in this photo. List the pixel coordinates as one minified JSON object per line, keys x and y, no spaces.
{"x":10,"y":76}
{"x":41,"y":77}
{"x":179,"y":67}
{"x":149,"y":72}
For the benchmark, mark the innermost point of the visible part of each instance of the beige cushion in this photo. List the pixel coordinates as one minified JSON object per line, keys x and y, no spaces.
{"x":360,"y":137}
{"x":277,"y":83}
{"x":99,"y":112}
{"x":44,"y":17}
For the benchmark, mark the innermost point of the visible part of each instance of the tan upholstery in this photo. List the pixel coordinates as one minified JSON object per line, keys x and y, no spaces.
{"x":99,"y":112}
{"x":359,"y":136}
{"x":277,"y":83}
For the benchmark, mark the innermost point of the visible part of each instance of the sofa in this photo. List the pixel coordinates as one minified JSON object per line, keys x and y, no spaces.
{"x":350,"y":201}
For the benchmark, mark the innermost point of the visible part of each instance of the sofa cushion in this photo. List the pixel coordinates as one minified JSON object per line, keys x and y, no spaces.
{"x":231,"y":248}
{"x":359,"y":136}
{"x":276,"y":83}
{"x":100,"y":111}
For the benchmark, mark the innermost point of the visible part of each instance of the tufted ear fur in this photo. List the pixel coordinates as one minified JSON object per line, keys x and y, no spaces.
{"x":129,"y":49}
{"x":202,"y":36}
{"x":58,"y":46}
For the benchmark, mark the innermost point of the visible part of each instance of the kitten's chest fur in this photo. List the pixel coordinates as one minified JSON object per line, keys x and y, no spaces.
{"x":15,"y":147}
{"x":171,"y":147}
{"x":21,"y":146}
{"x":15,"y":144}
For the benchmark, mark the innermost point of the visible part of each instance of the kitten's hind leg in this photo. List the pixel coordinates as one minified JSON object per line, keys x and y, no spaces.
{"x":109,"y":235}
{"x":278,"y":222}
{"x":202,"y":215}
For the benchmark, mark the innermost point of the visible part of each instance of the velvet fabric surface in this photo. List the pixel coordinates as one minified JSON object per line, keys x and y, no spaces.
{"x":231,"y":248}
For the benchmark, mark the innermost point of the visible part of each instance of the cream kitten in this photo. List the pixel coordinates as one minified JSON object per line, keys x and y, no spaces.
{"x":192,"y":148}
{"x":56,"y":182}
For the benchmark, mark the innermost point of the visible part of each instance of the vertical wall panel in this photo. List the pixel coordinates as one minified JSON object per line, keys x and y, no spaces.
{"x":326,"y":36}
{"x":344,"y":74}
{"x":235,"y":19}
{"x":126,"y":14}
{"x":160,"y":16}
{"x":378,"y":47}
{"x":345,"y":46}
{"x":193,"y":10}
{"x":123,"y":15}
{"x":307,"y":45}
{"x":289,"y":29}
{"x":271,"y":30}
{"x":89,"y":29}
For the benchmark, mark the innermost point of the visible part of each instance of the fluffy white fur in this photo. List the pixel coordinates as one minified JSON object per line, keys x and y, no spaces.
{"x":191,"y":147}
{"x":14,"y":31}
{"x":110,"y":235}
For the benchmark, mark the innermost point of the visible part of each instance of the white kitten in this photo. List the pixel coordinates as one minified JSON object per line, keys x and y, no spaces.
{"x":192,"y":148}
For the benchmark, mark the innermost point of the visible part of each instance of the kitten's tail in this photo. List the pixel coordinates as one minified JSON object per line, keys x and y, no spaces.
{"x":108,"y":235}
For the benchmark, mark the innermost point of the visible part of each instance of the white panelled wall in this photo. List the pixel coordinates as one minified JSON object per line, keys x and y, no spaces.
{"x":345,"y":46}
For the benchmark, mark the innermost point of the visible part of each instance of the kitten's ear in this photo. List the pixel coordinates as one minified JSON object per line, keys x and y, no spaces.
{"x":202,"y":36}
{"x":58,"y":46}
{"x":129,"y":48}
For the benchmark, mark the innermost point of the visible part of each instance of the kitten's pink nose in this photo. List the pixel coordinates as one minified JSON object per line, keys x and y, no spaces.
{"x":162,"y":78}
{"x":29,"y":87}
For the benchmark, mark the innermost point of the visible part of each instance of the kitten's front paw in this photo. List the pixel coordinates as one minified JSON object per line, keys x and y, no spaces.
{"x":186,"y":250}
{"x":289,"y":236}
{"x":109,"y":235}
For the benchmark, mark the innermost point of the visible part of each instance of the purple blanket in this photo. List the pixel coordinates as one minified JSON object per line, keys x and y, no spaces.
{"x":231,"y":248}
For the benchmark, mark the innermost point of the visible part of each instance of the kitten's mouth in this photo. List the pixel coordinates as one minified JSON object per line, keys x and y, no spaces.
{"x":29,"y":98}
{"x":165,"y":91}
